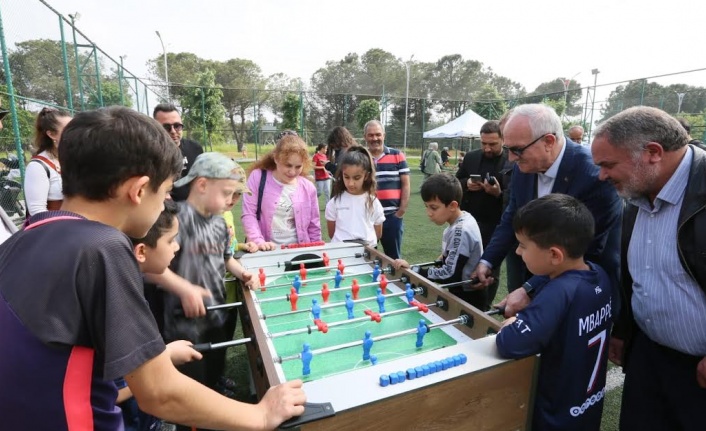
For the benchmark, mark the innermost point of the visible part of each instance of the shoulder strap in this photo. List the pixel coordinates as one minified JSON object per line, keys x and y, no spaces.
{"x":260,"y":191}
{"x":47,"y":162}
{"x":46,"y":169}
{"x":49,"y":220}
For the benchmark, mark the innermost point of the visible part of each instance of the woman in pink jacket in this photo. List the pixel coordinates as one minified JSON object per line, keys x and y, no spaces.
{"x":288,"y":210}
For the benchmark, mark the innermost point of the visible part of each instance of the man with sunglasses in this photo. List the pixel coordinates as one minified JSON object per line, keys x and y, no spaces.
{"x":546,"y":162}
{"x":168,"y":116}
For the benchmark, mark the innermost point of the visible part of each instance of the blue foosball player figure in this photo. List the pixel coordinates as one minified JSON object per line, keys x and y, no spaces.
{"x":409,"y":293}
{"x":315,"y":309}
{"x":367,"y":345}
{"x":422,"y":330}
{"x":349,"y":306}
{"x":296,"y":284}
{"x":376,"y":272}
{"x":381,"y":301}
{"x":337,"y":279}
{"x":307,"y":356}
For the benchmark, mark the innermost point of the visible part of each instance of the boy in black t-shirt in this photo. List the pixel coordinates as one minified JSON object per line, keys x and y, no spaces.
{"x":71,"y":299}
{"x":569,"y":320}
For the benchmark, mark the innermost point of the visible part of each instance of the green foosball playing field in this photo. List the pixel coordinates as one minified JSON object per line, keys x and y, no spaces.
{"x":280,"y":320}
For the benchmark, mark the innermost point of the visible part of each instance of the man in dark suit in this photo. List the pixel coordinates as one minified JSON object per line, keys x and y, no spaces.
{"x":168,"y":116}
{"x":547,"y":163}
{"x":484,"y":177}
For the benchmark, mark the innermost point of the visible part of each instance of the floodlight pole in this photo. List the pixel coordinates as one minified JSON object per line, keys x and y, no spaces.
{"x":595,"y":73}
{"x":166,"y":68}
{"x":406,"y":104}
{"x":567,"y":84}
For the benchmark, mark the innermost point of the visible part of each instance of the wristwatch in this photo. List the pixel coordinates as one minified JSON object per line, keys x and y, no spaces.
{"x":529,"y":289}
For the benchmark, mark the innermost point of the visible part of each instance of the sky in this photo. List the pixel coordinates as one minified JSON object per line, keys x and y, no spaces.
{"x":527,"y":41}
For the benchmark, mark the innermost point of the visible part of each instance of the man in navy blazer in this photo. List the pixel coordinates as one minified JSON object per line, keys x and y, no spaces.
{"x":546,"y":162}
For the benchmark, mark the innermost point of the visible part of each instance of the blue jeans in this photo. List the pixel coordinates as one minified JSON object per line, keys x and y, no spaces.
{"x":391,"y":240}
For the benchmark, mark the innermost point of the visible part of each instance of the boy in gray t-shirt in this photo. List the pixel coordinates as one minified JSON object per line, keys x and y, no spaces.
{"x":196,"y":273}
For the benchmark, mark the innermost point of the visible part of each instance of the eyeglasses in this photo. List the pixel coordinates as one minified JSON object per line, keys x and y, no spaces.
{"x":519,"y":150}
{"x":176,"y":126}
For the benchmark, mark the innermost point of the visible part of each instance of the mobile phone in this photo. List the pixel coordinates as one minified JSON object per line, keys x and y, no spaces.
{"x":476,"y":179}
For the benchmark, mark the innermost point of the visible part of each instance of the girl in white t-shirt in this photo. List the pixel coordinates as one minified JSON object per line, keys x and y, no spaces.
{"x":354,"y":213}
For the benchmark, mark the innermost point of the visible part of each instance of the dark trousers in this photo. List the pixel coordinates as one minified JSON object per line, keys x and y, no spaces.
{"x":516,"y":273}
{"x":660,"y":390}
{"x":486,"y":233}
{"x":391,"y":240}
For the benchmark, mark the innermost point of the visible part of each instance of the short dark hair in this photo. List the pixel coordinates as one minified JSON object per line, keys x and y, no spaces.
{"x":556,"y":220}
{"x":320,"y":146}
{"x":164,"y":107}
{"x":444,"y":187}
{"x":164,"y":222}
{"x":685,"y":124}
{"x":492,"y":126}
{"x":103,"y":148}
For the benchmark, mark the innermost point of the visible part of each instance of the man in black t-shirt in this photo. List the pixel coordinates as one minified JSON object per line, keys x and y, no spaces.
{"x":168,"y":116}
{"x":483,"y":200}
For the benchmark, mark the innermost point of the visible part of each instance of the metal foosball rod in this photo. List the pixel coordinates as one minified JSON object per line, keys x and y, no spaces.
{"x":329,"y":277}
{"x":180,"y":311}
{"x":205,"y":347}
{"x":416,"y":290}
{"x":309,"y":329}
{"x":318,"y":292}
{"x":313,"y":260}
{"x":459,"y":320}
{"x":469,"y":282}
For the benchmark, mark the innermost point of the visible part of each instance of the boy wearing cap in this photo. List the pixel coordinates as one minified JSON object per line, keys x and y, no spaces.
{"x":201,"y":263}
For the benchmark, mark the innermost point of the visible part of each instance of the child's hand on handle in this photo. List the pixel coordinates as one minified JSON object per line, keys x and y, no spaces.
{"x":282,"y":402}
{"x":399,"y":263}
{"x":250,"y":281}
{"x":192,"y":301}
{"x":181,"y":352}
{"x":250,"y":247}
{"x":514,"y":302}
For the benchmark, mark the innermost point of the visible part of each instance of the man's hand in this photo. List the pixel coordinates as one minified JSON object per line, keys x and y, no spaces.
{"x":182,"y":351}
{"x":474,"y":186}
{"x":192,"y":301}
{"x":250,"y":281}
{"x":282,"y":402}
{"x":515,"y":302}
{"x":493,"y":190}
{"x":615,"y":352}
{"x":484,"y":274}
{"x":267,"y":246}
{"x":400,"y":263}
{"x":701,"y":372}
{"x":399,"y":213}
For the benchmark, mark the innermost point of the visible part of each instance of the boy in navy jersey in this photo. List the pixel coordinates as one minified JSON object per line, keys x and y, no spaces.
{"x":72,"y":308}
{"x":569,"y":321}
{"x":461,"y":243}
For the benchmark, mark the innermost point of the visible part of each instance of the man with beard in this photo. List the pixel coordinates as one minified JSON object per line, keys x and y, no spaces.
{"x":548,"y":163}
{"x":392,"y":175}
{"x":168,"y":116}
{"x":660,"y":334}
{"x":483,"y":179}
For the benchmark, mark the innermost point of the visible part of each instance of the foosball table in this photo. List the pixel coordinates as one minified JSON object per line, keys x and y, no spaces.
{"x":378,"y":348}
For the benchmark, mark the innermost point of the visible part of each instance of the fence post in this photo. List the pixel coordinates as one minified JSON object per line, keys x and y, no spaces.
{"x":65,"y":59}
{"x":78,"y":63}
{"x":13,"y":107}
{"x":98,"y":77}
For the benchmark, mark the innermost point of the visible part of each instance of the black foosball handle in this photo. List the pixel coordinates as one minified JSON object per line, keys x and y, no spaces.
{"x":312,"y":412}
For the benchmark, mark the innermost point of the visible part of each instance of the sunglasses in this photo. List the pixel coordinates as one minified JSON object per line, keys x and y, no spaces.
{"x":176,"y":126}
{"x":519,"y":150}
{"x":284,"y":133}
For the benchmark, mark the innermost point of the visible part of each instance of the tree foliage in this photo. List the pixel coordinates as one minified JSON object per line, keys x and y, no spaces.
{"x":202,"y":105}
{"x":565,"y":100}
{"x":367,"y":110}
{"x":290,"y":112}
{"x":642,"y":92}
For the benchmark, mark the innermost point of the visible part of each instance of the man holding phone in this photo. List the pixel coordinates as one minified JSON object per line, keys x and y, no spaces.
{"x":483,"y":179}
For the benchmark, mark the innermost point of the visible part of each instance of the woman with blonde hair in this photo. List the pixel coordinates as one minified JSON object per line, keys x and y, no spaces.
{"x":283,"y":207}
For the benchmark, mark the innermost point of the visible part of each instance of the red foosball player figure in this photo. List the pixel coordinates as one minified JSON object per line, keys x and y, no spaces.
{"x":302,"y":271}
{"x":326,"y":260}
{"x":325,"y":293}
{"x":355,"y":288}
{"x":293,"y":297}
{"x":341,"y":266}
{"x":262,"y":277}
{"x":383,"y":284}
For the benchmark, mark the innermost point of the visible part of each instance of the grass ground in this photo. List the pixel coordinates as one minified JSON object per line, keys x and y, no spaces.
{"x":421,"y":243}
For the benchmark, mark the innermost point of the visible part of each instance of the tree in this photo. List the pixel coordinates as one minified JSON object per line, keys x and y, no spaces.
{"x":110,"y":91}
{"x":183,"y":66}
{"x":202,"y":105}
{"x":488,"y":103}
{"x":642,"y":92}
{"x":278,"y":86}
{"x":554,"y":91}
{"x":290,"y":112}
{"x":368,"y":110}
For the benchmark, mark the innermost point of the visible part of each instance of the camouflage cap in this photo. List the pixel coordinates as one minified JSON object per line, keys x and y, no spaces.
{"x":216,"y":166}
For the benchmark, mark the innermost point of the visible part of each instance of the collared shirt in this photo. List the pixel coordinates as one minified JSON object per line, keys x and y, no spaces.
{"x":389,"y":168}
{"x":668,"y":304}
{"x":545,"y":181}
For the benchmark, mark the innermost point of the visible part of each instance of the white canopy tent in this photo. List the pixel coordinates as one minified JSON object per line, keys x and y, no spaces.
{"x":465,"y":126}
